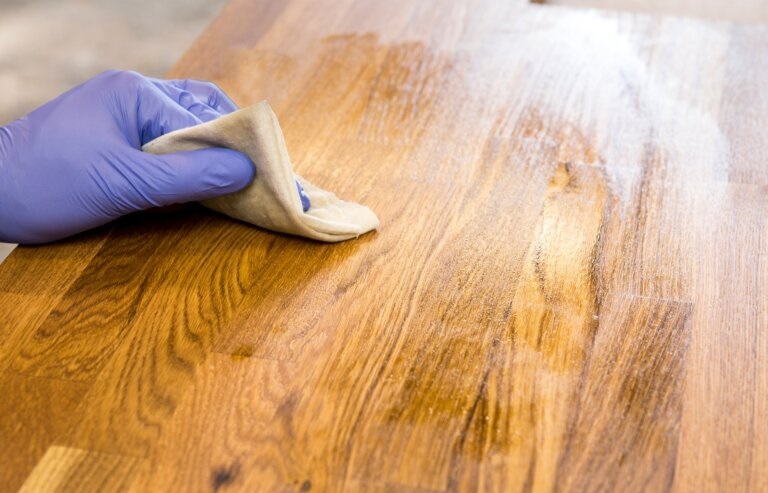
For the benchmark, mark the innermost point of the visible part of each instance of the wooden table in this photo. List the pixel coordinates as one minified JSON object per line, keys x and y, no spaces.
{"x":569,"y":289}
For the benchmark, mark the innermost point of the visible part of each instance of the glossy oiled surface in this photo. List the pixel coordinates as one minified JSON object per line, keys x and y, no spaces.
{"x":568,"y":290}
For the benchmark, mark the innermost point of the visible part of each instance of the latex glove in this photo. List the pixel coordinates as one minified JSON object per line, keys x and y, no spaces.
{"x":75,"y":163}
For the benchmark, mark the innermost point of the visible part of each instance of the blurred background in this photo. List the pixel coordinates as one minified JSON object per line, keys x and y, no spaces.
{"x":48,"y":46}
{"x":719,"y":10}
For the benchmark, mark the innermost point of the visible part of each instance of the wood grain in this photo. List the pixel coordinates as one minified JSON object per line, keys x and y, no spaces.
{"x":35,"y":412}
{"x":65,"y":469}
{"x":567,"y":292}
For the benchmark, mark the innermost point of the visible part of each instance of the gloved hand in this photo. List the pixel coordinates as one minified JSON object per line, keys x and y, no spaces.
{"x":75,"y":163}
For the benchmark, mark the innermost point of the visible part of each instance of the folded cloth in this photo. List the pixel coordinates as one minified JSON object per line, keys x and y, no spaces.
{"x":271,"y":201}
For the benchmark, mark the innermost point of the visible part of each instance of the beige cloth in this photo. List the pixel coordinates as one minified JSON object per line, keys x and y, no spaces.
{"x":272,"y":200}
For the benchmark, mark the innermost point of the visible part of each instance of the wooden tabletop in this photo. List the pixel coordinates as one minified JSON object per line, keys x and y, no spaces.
{"x":568,"y":291}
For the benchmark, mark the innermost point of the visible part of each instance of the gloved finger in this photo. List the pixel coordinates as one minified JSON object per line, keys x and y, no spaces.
{"x":159,"y":114}
{"x":209,"y":93}
{"x":187,"y":100}
{"x":206,"y":92}
{"x":159,"y":180}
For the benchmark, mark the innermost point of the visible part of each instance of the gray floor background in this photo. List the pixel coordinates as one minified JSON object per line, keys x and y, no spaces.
{"x":48,"y":46}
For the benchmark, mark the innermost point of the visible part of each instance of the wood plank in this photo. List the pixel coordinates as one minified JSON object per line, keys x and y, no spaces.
{"x":65,"y":469}
{"x":632,"y":400}
{"x":726,"y":388}
{"x":566,"y":292}
{"x":33,"y":280}
{"x":190,"y":297}
{"x":50,"y":269}
{"x":233,"y":399}
{"x":35,"y":411}
{"x":81,"y":333}
{"x":21,"y":314}
{"x":744,"y":110}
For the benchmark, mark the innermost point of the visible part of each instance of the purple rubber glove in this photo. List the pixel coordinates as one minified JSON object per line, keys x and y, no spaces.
{"x":75,"y":163}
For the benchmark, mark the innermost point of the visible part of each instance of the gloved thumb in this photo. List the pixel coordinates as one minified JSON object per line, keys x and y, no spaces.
{"x":188,"y":176}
